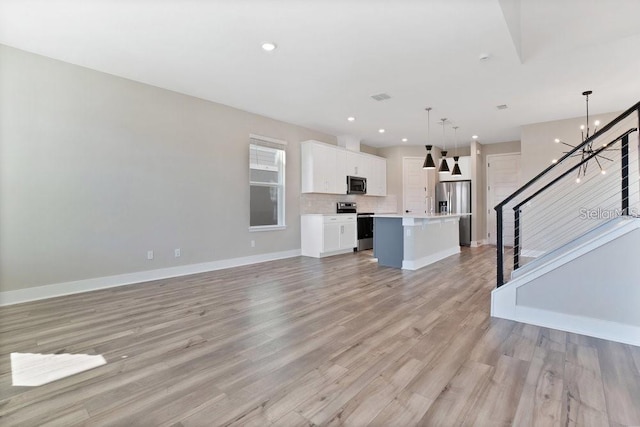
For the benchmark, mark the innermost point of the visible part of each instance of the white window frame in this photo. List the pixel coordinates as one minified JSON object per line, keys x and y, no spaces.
{"x":278,"y":147}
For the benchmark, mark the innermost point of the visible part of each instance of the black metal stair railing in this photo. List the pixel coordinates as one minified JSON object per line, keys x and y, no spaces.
{"x":548,"y":202}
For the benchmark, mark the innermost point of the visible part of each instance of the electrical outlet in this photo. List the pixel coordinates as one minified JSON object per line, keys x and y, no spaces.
{"x":253,"y":243}
{"x":149,"y":254}
{"x":177,"y":253}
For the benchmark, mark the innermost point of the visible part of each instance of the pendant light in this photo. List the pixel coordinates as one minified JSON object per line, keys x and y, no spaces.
{"x":444,"y":166}
{"x":428,"y":161}
{"x":456,"y":167}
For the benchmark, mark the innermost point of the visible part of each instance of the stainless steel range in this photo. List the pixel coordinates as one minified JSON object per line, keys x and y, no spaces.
{"x":365,"y":231}
{"x":346,"y":207}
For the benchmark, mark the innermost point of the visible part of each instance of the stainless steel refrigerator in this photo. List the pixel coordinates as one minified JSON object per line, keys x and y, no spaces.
{"x":455,"y":197}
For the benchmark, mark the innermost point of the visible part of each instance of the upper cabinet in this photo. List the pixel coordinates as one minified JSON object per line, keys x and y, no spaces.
{"x":322,"y":167}
{"x":357,"y":164}
{"x":325,"y":168}
{"x":377,"y":176}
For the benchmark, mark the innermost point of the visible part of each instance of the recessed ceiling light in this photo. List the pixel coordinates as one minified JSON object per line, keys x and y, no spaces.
{"x":351,"y":119}
{"x":269,"y":46}
{"x":475,"y":137}
{"x":404,"y":139}
{"x":381,"y":130}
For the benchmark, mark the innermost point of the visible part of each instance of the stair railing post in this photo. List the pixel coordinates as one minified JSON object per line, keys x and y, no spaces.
{"x":516,"y":238}
{"x":625,"y":174}
{"x":499,"y":247}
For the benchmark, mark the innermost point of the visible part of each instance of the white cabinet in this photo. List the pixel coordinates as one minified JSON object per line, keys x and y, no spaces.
{"x":377,"y":176}
{"x":324,"y":235}
{"x":349,"y":234}
{"x":324,"y":169}
{"x":357,"y":164}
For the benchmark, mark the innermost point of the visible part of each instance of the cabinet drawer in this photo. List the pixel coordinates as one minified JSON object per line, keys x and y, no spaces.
{"x":330,"y":218}
{"x":339,"y":218}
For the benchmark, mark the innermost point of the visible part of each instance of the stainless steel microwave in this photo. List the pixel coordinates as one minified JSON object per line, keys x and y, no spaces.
{"x":356,"y":185}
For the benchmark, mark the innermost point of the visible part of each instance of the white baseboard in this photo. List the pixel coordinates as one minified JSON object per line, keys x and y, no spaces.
{"x":478,"y":243}
{"x":605,"y":329}
{"x":326,"y":254}
{"x":67,"y":288}
{"x":531,"y":253}
{"x":430,"y":259}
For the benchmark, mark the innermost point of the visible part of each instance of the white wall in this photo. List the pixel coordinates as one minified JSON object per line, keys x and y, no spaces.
{"x":538,"y":148}
{"x":95,"y":170}
{"x":555,"y":217}
{"x":479,"y":228}
{"x":394,"y":156}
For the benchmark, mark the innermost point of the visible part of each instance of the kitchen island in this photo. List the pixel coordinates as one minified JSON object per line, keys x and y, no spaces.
{"x":411,"y":242}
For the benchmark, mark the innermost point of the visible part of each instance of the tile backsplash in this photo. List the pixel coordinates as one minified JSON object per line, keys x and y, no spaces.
{"x":312,"y":203}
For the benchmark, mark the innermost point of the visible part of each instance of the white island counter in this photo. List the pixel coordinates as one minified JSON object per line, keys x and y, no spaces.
{"x":415,"y":241}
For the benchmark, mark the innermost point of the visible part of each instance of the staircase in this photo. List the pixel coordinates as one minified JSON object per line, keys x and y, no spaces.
{"x":574,"y":262}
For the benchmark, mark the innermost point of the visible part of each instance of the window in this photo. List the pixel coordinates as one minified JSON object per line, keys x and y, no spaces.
{"x":266,"y":181}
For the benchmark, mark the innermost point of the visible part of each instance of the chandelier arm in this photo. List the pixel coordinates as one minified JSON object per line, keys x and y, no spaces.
{"x":605,"y":158}
{"x":568,"y":145}
{"x":598,"y":162}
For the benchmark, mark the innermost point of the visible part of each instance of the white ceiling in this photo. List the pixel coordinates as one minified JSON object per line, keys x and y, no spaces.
{"x":334,"y":54}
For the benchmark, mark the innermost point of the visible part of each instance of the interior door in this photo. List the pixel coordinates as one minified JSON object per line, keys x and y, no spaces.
{"x":415,"y":186}
{"x":503,"y":178}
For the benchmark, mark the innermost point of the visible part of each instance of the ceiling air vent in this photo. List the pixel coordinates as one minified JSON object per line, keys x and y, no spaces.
{"x":502,"y":107}
{"x":381,"y":97}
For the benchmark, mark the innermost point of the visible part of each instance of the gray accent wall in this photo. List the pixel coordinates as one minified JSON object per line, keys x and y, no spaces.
{"x":95,"y":170}
{"x":601,"y":284}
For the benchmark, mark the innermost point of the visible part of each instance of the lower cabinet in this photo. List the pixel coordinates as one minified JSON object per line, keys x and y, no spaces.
{"x":324,"y":235}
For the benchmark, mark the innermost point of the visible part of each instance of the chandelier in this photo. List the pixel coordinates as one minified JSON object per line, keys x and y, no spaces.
{"x":587,"y":150}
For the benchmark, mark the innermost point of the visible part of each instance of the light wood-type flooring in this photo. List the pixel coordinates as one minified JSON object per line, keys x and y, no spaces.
{"x":303,"y":341}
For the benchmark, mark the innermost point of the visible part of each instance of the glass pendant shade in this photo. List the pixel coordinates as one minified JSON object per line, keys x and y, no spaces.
{"x":444,"y":166}
{"x":456,"y":167}
{"x":428,"y":161}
